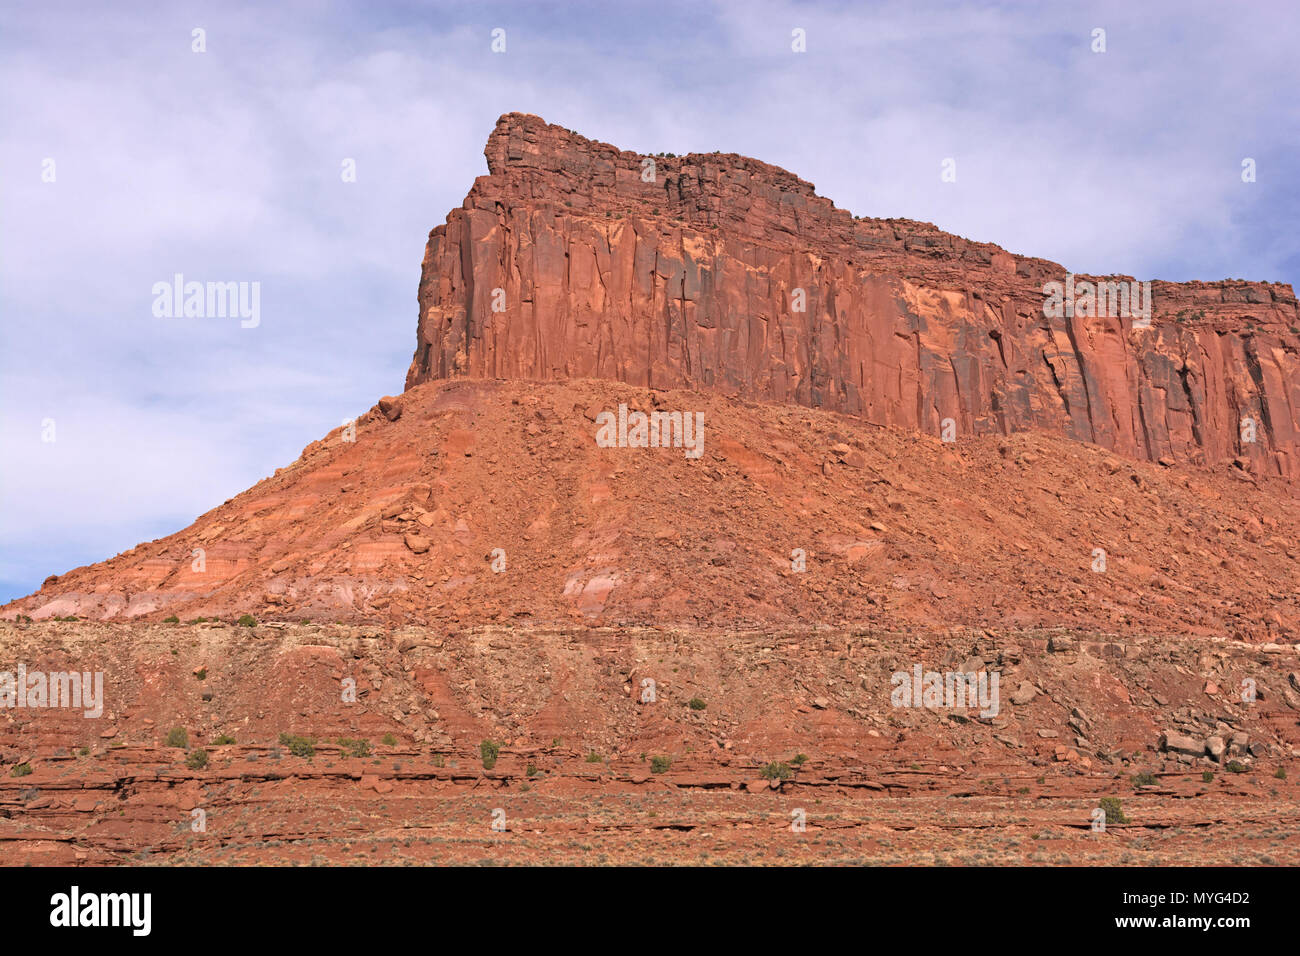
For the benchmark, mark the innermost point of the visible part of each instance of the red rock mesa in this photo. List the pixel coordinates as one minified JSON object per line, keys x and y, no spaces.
{"x":586,"y":289}
{"x":723,"y":272}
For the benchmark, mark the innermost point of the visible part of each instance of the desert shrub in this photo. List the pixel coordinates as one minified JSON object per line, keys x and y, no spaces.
{"x":299,"y":746}
{"x":1114,"y":810}
{"x":355,"y":747}
{"x":776,"y":771}
{"x":246,"y":620}
{"x":660,"y":764}
{"x":177,"y":737}
{"x":489,"y":750}
{"x":197,"y":759}
{"x":697,"y":704}
{"x":171,"y":619}
{"x":388,"y":740}
{"x":22,"y":770}
{"x":1144,"y":779}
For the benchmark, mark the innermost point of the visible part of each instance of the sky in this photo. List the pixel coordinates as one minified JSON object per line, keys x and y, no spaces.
{"x":128,"y":156}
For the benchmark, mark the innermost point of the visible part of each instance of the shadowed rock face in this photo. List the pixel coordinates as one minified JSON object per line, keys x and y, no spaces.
{"x":726,"y":273}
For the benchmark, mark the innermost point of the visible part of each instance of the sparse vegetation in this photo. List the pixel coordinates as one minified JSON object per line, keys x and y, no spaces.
{"x":201,"y":673}
{"x":1280,"y":773}
{"x":388,"y":740}
{"x":197,"y":759}
{"x":489,"y":750}
{"x":1207,"y":776}
{"x":799,"y":759}
{"x":593,"y":757}
{"x":1144,"y":779}
{"x":531,"y":770}
{"x":776,"y":771}
{"x":22,"y":770}
{"x":246,"y":620}
{"x":171,"y":619}
{"x":354,"y":747}
{"x":1114,"y":810}
{"x":1235,"y":766}
{"x":177,"y":737}
{"x":697,"y":704}
{"x":660,"y":764}
{"x":299,"y":746}
{"x":223,"y":740}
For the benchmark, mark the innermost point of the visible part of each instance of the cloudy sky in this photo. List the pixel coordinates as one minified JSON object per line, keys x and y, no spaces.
{"x":126,"y":157}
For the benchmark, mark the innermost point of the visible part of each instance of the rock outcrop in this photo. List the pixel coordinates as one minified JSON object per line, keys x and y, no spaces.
{"x":574,"y":259}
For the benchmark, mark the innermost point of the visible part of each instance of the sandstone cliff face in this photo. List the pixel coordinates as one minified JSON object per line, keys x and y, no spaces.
{"x":728,"y":273}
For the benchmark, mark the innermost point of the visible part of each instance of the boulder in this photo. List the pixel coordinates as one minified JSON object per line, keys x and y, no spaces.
{"x":417,"y":543}
{"x":1216,"y":747}
{"x":1024,"y":693}
{"x":1176,"y":743}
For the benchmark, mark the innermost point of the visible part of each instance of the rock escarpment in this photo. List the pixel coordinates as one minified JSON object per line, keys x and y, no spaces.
{"x":584,"y":294}
{"x":573,"y":259}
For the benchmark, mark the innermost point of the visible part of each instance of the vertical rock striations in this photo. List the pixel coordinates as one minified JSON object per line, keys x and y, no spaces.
{"x":731,"y":274}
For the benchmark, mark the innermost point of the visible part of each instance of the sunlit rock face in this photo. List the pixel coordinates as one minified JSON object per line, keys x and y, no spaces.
{"x":573,"y":259}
